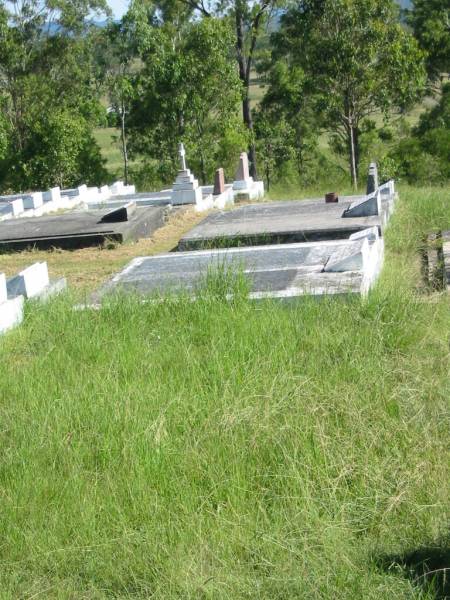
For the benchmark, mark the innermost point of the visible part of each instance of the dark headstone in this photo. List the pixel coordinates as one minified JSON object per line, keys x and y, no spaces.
{"x":372,"y":178}
{"x":331,"y":197}
{"x":219,"y":183}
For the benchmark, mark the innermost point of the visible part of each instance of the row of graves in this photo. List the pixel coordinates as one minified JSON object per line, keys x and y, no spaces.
{"x":284,"y":249}
{"x":88,"y":216}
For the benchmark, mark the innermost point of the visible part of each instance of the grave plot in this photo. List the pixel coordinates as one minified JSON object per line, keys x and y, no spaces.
{"x":292,"y":221}
{"x":84,"y":228}
{"x":272,"y":271}
{"x":31,"y":283}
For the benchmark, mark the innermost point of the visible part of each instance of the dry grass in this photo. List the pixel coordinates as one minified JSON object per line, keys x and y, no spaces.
{"x":87,"y":268}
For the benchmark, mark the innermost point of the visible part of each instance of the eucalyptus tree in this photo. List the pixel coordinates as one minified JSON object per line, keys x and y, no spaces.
{"x":356,"y":60}
{"x":247,"y":19}
{"x":46,"y":81}
{"x":187,"y":88}
{"x":430,"y":20}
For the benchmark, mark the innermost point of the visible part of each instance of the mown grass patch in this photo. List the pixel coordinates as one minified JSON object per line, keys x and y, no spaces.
{"x":229,"y":449}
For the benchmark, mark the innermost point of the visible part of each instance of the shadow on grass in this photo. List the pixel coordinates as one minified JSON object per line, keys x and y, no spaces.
{"x":427,"y":567}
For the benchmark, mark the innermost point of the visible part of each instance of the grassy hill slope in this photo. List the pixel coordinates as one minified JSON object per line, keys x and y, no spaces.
{"x":228,"y":450}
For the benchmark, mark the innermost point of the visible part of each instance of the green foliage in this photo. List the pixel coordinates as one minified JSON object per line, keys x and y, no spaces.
{"x":62,"y":151}
{"x":356,"y":60}
{"x":430,"y":20}
{"x":424,"y":155}
{"x":47,"y":96}
{"x":286,"y":126}
{"x":188,"y":90}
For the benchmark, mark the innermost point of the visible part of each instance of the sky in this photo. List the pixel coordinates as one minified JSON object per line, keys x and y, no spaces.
{"x":118,"y":7}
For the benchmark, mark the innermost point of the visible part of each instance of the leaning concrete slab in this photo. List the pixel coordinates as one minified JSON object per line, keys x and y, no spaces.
{"x":79,"y":229}
{"x":277,"y":222}
{"x":367,"y":207}
{"x":273,"y":271}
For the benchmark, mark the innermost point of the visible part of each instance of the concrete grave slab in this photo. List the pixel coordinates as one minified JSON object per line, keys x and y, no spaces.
{"x":79,"y":229}
{"x":273,"y":271}
{"x":277,"y":222}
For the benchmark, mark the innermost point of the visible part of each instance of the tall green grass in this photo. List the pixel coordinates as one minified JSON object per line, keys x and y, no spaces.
{"x":227,"y":449}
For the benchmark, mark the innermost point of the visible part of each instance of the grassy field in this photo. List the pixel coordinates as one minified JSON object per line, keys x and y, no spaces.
{"x":232,"y":450}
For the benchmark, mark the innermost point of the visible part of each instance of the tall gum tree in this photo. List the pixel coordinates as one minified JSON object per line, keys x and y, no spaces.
{"x":357,"y":59}
{"x":248,"y":18}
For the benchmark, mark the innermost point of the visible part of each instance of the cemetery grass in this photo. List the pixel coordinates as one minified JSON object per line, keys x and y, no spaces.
{"x":228,"y":449}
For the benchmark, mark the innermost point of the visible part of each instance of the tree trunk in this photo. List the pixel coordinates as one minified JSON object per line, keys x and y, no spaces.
{"x":124,"y":143}
{"x":353,"y":171}
{"x":244,"y":75}
{"x":248,"y":120}
{"x":202,"y":168}
{"x":268,"y":176}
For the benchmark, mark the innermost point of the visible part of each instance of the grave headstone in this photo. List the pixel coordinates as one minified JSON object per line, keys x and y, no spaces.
{"x":219,"y":183}
{"x":372,"y":178}
{"x":243,"y":173}
{"x":185,"y":189}
{"x":331,"y":197}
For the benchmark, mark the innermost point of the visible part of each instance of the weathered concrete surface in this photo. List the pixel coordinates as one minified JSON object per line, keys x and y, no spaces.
{"x":278,"y":222}
{"x":79,"y":229}
{"x":284,"y":271}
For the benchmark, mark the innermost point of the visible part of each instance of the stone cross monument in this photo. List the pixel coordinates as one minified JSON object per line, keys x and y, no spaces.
{"x":185,"y":189}
{"x":182,"y":153}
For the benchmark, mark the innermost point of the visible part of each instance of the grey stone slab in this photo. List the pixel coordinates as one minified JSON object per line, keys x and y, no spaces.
{"x":79,"y":229}
{"x":277,"y":222}
{"x":272,"y":271}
